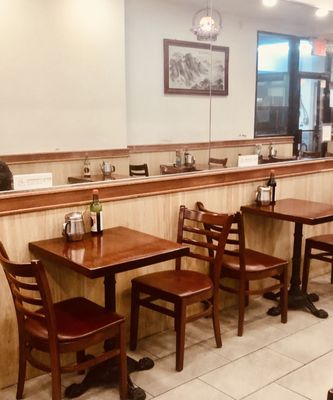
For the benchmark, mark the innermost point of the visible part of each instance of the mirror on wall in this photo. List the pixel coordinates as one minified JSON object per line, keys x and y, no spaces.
{"x":89,"y":75}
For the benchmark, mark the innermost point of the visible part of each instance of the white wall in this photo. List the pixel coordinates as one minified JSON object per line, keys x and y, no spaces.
{"x":67,"y":84}
{"x":62,"y":75}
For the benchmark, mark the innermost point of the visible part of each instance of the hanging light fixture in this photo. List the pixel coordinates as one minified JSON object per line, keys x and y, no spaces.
{"x":206,"y":24}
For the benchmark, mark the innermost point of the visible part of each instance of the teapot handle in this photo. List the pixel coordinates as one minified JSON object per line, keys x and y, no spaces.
{"x":65,"y":229}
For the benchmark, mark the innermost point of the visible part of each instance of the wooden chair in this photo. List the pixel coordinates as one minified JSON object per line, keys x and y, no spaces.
{"x":67,"y":326}
{"x":245,"y":265}
{"x":138,"y":170}
{"x":311,"y":154}
{"x":183,"y":287}
{"x":322,"y":243}
{"x":328,"y":154}
{"x":218,"y":161}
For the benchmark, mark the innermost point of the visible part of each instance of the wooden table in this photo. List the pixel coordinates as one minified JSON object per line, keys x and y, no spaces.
{"x":95,"y":178}
{"x":177,"y":169}
{"x":119,"y":249}
{"x":300,"y":212}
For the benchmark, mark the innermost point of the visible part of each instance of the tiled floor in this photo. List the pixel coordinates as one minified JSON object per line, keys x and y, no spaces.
{"x":275,"y":361}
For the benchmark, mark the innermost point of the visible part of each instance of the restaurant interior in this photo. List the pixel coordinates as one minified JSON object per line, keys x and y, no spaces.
{"x":158,"y":105}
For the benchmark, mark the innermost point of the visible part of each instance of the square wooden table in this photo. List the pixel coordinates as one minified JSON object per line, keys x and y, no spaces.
{"x":300,"y":212}
{"x":117,"y":250}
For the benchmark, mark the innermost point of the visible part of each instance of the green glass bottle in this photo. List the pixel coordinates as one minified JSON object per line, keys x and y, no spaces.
{"x":96,"y":214}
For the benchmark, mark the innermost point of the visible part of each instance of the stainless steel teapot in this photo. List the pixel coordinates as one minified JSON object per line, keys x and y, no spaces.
{"x":263,"y":195}
{"x":107,"y":168}
{"x":73,"y":228}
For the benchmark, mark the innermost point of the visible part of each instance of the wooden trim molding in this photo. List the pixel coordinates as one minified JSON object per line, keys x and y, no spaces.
{"x":154,"y":148}
{"x":116,"y":153}
{"x":63,"y":156}
{"x":70,"y":195}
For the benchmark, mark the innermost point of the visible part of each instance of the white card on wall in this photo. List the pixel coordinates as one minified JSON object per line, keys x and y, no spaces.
{"x":326,"y":133}
{"x":248,"y":160}
{"x":32,"y":181}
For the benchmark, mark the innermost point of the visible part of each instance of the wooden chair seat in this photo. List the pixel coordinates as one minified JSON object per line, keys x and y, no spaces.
{"x":69,"y":326}
{"x":183,"y":287}
{"x":77,"y":319}
{"x":256,"y":263}
{"x":175,"y":283}
{"x":323,"y":246}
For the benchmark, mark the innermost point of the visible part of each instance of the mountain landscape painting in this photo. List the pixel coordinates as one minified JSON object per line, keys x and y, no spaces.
{"x":196,"y":70}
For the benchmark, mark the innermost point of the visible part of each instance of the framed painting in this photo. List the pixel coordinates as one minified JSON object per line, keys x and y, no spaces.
{"x":195,"y":68}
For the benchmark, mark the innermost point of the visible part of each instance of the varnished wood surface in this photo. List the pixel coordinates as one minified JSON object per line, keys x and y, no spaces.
{"x":118,"y":249}
{"x":38,"y":200}
{"x":96,"y":178}
{"x":296,"y":210}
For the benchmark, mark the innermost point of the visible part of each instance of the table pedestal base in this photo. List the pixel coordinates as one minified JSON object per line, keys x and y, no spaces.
{"x":297,"y":299}
{"x":107,"y":373}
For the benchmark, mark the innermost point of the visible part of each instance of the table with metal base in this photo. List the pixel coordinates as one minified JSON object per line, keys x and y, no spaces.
{"x":300,"y":212}
{"x":119,"y":249}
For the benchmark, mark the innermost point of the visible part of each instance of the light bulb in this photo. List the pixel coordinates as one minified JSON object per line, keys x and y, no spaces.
{"x":207,"y":24}
{"x":269,"y":3}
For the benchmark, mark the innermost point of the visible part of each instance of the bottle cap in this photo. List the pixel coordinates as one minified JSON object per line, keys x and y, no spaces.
{"x":95,"y":191}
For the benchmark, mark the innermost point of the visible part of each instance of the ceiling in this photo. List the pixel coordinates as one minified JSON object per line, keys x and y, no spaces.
{"x":328,"y":4}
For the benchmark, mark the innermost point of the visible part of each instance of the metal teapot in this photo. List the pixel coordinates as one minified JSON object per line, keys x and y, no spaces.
{"x":189,"y":159}
{"x":263,"y":195}
{"x":73,"y":228}
{"x":107,"y":168}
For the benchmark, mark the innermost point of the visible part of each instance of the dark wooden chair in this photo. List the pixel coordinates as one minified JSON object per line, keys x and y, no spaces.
{"x":184,"y":287}
{"x":323,"y":244}
{"x":67,"y":326}
{"x":138,"y":170}
{"x":311,"y":154}
{"x":218,"y":161}
{"x":245,"y":265}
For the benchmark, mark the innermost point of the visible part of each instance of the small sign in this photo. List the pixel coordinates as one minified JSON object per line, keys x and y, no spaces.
{"x":326,"y":133}
{"x":248,"y":160}
{"x":32,"y":181}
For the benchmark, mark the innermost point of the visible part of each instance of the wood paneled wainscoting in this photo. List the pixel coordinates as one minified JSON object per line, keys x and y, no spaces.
{"x":150,"y":205}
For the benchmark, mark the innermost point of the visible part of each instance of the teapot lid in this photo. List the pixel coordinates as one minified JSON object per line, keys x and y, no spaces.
{"x":76,"y":215}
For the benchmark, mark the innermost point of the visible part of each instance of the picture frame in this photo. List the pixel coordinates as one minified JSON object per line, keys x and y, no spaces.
{"x":190,"y":67}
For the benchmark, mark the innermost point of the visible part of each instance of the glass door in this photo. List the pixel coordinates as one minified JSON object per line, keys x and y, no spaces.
{"x":311,"y":112}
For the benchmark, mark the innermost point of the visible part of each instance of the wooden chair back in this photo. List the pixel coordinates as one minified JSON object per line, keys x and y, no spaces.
{"x":219,"y":161}
{"x":311,"y":154}
{"x":211,"y":235}
{"x":30,"y":291}
{"x":138,"y":170}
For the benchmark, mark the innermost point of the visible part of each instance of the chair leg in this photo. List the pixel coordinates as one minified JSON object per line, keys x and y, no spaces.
{"x":306,"y":267}
{"x":80,"y":355}
{"x":247,"y":297}
{"x":332,"y":270}
{"x":216,"y":322}
{"x":134,"y":317}
{"x":123,"y":383}
{"x":56,"y":378}
{"x":241,"y":307}
{"x":284,"y":296}
{"x":180,"y":334}
{"x":22,"y":371}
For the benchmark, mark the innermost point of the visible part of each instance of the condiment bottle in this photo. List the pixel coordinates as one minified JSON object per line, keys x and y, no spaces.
{"x":272,"y":184}
{"x":86,"y":167}
{"x":96,"y":214}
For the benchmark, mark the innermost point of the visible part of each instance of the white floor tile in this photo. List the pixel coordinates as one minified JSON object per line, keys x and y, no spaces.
{"x":307,"y":344}
{"x":248,"y":374}
{"x":274,"y":392}
{"x":194,"y":390}
{"x":163,"y":377}
{"x":313,"y":380}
